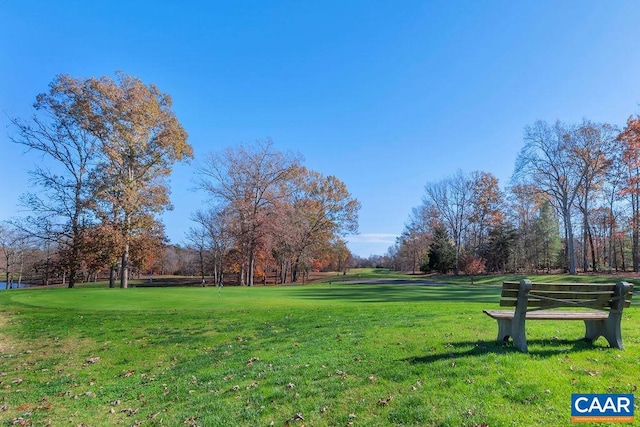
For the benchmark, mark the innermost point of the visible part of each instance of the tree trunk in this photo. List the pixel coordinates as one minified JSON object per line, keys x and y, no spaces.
{"x":585,"y":249}
{"x":112,"y":276}
{"x":636,"y":240}
{"x":215,"y":272}
{"x":612,"y":246}
{"x":593,"y":251}
{"x":202,"y":266}
{"x":252,"y":265}
{"x":46,"y":268}
{"x":75,"y":253}
{"x":570,"y":244}
{"x":456,"y":269}
{"x":124,"y":267}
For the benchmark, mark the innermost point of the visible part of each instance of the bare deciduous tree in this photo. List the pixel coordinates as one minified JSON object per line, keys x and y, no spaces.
{"x":248,"y":179}
{"x":451,"y":198}
{"x":57,"y":130}
{"x":546,"y":162}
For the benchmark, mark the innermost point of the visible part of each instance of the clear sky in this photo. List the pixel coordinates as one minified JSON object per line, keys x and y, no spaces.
{"x":386,"y":95}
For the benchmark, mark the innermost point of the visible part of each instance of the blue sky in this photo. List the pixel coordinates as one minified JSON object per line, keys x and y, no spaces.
{"x":387,"y":95}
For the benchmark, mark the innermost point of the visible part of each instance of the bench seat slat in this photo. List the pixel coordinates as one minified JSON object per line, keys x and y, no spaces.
{"x":513,"y":293}
{"x":550,"y":315}
{"x":506,"y":302}
{"x":564,"y":287}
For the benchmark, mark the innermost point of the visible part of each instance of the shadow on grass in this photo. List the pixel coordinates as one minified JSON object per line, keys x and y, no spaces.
{"x":167,"y":282}
{"x":400,"y":293}
{"x":541,"y":348}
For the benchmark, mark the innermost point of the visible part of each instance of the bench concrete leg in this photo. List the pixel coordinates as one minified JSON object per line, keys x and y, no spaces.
{"x":520,"y":315}
{"x":593,"y":329}
{"x":519,"y":337}
{"x":608,"y":328}
{"x":504,"y":329}
{"x":508,"y":328}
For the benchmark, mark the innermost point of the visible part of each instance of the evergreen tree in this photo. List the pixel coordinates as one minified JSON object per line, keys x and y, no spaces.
{"x":441,"y":255}
{"x":547,"y":232}
{"x":500,"y":247}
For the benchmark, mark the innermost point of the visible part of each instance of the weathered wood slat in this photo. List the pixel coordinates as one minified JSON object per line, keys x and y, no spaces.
{"x":550,"y":315}
{"x":562,"y":294}
{"x":565,"y":287}
{"x":533,"y":302}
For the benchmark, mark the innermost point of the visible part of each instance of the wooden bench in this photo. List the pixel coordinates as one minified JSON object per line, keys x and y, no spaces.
{"x":538,"y":301}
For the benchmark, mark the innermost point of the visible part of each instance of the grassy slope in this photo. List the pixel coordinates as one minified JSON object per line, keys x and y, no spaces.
{"x":334,"y":354}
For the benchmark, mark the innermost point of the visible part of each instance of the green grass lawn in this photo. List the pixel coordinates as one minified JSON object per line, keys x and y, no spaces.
{"x":318,"y":355}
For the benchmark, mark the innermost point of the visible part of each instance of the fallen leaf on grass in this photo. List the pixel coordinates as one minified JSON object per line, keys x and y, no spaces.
{"x":190,"y":421}
{"x":129,"y":411}
{"x":385,"y":402}
{"x":92,"y":360}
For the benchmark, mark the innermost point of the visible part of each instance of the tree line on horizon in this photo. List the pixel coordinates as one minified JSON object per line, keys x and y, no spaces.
{"x":108,"y":147}
{"x":572,"y":204}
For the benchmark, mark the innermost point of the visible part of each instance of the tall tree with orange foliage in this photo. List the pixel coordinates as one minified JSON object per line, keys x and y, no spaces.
{"x":322,"y":209}
{"x":486,"y":206}
{"x":630,"y":139}
{"x":141,"y":139}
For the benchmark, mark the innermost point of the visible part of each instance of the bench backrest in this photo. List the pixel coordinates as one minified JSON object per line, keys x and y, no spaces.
{"x":608,"y":296}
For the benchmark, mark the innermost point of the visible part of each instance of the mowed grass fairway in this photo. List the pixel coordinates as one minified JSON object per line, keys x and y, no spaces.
{"x":315,"y":355}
